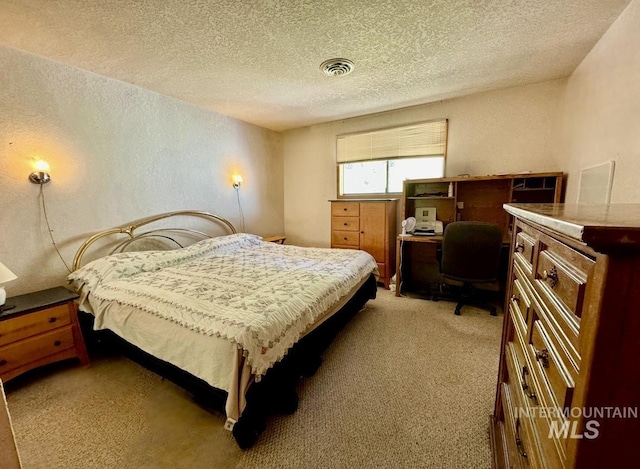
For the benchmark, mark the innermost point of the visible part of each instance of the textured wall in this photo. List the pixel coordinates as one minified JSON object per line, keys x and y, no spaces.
{"x":117,"y":153}
{"x":601,"y":112}
{"x":489,"y":133}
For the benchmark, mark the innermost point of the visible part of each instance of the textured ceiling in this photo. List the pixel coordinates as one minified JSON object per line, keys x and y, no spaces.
{"x":259,"y":60}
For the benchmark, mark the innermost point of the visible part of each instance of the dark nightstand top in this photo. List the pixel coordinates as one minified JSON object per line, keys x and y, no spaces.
{"x":37,"y":300}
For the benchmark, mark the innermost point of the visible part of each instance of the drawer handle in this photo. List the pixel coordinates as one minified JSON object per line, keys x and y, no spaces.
{"x":543,"y":356}
{"x":345,"y":209}
{"x":519,"y":247}
{"x":3,"y":362}
{"x":519,"y":444}
{"x":551,"y":276}
{"x":525,"y":387}
{"x":57,"y":343}
{"x":346,"y":224}
{"x":52,"y":320}
{"x":345,"y":239}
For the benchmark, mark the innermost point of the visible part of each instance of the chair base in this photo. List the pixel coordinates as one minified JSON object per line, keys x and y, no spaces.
{"x":466,"y":297}
{"x":491,"y":308}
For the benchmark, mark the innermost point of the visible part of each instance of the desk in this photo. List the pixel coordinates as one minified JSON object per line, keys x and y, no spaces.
{"x":427,"y":260}
{"x":430,"y":244}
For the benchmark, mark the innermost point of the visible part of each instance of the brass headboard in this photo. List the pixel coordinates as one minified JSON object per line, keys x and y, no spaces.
{"x":129,"y":230}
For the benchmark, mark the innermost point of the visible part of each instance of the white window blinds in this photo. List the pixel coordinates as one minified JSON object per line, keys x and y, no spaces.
{"x":424,"y":139}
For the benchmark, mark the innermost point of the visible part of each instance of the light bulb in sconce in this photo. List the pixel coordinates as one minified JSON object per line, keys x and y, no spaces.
{"x":5,"y":276}
{"x":41,"y":173}
{"x":237,"y":180}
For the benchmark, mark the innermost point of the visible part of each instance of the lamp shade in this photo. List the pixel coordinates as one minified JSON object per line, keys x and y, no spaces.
{"x":5,"y":274}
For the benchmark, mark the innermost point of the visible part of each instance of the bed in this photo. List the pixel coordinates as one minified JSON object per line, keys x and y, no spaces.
{"x":226,"y":315}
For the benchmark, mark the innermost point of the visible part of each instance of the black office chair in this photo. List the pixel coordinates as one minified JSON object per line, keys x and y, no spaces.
{"x":470,"y":255}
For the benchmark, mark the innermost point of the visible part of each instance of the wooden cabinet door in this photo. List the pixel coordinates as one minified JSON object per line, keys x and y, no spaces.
{"x":373,"y":217}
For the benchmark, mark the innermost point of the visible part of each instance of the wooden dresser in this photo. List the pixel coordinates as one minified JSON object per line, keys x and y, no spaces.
{"x":568,"y":390}
{"x":42,"y":328}
{"x":370,"y":225}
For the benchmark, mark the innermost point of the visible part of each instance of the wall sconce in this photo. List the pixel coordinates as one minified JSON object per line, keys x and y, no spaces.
{"x":41,"y":174}
{"x":237,"y":180}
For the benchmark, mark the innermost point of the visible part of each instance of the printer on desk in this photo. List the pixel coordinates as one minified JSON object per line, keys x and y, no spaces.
{"x":426,"y":223}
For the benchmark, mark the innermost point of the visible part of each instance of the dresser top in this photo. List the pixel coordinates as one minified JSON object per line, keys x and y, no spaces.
{"x":364,"y":200}
{"x":595,"y":225}
{"x":37,"y":300}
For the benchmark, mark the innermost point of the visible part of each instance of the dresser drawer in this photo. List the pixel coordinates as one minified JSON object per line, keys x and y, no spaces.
{"x":345,"y":238}
{"x":527,"y":397}
{"x":562,"y":273}
{"x":518,"y":433}
{"x":20,"y":327}
{"x":521,"y":388}
{"x":523,"y":250}
{"x":562,"y":326}
{"x":18,"y":354}
{"x":345,"y":223}
{"x":550,"y":367}
{"x":345,"y":209}
{"x":520,"y":297}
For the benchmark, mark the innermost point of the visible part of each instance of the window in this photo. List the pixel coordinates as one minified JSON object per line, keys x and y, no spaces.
{"x":378,"y":162}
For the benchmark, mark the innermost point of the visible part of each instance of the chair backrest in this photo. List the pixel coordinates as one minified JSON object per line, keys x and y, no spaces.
{"x":471,"y":251}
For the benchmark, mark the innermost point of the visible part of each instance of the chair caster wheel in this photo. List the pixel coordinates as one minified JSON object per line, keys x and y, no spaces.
{"x":494,"y":312}
{"x":457,"y":312}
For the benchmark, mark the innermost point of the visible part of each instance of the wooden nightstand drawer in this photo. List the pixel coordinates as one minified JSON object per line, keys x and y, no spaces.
{"x":31,"y":324}
{"x":38,"y":347}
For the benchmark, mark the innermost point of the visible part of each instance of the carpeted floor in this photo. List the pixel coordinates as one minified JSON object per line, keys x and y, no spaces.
{"x":406,"y":385}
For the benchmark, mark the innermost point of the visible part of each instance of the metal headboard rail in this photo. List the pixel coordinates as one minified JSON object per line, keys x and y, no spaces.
{"x":129,"y":230}
{"x":156,"y":234}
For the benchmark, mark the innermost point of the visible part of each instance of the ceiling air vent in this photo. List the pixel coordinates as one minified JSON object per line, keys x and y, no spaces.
{"x":337,"y":67}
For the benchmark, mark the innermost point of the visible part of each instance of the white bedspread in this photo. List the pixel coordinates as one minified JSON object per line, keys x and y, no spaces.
{"x":260,"y":296}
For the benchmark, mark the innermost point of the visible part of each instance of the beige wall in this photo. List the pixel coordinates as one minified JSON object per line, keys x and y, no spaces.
{"x":497,"y":132}
{"x":117,"y":153}
{"x":600,"y":118}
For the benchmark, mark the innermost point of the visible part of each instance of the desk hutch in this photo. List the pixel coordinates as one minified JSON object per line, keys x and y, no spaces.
{"x":473,"y":198}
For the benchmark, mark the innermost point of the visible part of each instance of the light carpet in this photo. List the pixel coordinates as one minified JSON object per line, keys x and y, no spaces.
{"x":405,"y":385}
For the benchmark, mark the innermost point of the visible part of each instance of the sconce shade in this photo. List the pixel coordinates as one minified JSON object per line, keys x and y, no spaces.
{"x":39,"y":177}
{"x":5,"y":274}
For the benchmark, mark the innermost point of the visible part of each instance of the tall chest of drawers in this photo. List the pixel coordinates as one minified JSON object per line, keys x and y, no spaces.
{"x":369,"y":225}
{"x":568,"y":390}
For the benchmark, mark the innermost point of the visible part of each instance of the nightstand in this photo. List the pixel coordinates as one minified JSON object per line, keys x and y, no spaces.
{"x":275,"y":239}
{"x":42,"y":328}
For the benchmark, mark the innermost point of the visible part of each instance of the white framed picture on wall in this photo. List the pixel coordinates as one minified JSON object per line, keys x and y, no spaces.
{"x":595,"y":184}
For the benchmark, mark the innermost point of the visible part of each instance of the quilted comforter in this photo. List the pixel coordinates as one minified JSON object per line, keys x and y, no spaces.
{"x":260,"y":296}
